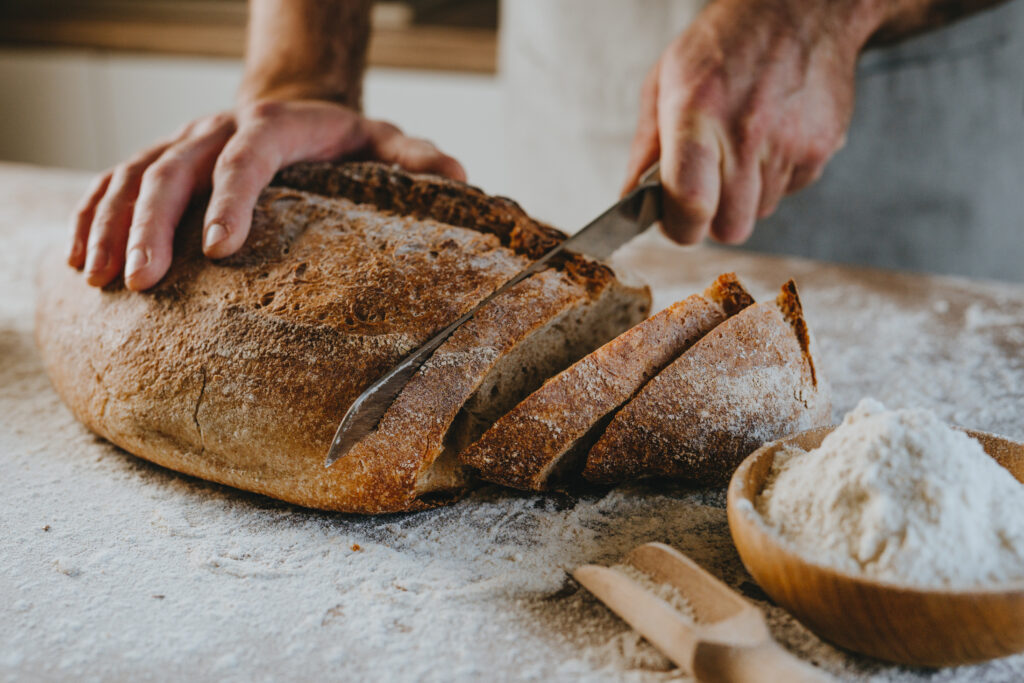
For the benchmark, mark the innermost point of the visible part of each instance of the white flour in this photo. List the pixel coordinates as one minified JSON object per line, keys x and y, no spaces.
{"x":900,"y":496}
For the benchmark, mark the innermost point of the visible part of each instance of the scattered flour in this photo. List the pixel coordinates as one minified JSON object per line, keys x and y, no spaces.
{"x":902,"y":497}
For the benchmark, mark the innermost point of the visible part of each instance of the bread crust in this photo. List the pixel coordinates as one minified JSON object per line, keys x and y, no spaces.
{"x":239,"y":371}
{"x":750,"y":380}
{"x":522,"y":449}
{"x":425,"y":196}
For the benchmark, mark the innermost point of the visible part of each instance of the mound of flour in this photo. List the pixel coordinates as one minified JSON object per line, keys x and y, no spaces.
{"x":899,"y":496}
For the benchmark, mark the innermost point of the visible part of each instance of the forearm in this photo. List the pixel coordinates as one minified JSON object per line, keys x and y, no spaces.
{"x":307,"y":49}
{"x":905,"y":18}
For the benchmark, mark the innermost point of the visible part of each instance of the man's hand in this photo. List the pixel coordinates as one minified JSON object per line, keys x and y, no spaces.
{"x":127,"y":220}
{"x":745,"y":106}
{"x":300,"y":98}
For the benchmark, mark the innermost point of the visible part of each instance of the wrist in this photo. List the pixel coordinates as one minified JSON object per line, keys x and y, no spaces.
{"x":847,"y":25}
{"x":254,"y":91}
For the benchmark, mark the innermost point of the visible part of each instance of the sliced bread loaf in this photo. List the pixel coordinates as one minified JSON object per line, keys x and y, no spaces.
{"x":548,"y":433}
{"x":751,"y":379}
{"x":239,"y":371}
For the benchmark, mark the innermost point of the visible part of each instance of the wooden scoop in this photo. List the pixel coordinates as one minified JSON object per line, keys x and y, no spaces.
{"x":726,"y":641}
{"x":899,"y":623}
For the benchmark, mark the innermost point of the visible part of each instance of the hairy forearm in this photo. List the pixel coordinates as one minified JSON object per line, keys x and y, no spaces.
{"x":306,"y":48}
{"x":906,"y":18}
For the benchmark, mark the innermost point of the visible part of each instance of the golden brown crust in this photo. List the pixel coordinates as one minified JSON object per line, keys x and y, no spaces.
{"x":423,"y":196}
{"x":239,"y":371}
{"x":524,"y":447}
{"x":748,"y":381}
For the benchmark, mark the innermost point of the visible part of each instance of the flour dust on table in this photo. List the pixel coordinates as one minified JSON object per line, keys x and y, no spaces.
{"x":113,"y":568}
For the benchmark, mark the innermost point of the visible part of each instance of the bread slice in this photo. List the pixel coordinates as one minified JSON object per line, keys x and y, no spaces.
{"x":547,"y":434}
{"x":752,"y":379}
{"x":239,"y":371}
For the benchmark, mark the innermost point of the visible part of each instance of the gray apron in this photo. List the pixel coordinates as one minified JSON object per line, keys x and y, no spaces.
{"x":932,"y":177}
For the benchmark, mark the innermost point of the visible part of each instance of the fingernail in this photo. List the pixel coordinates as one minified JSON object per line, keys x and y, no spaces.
{"x":215,"y":234}
{"x":138,"y":258}
{"x":97,"y":261}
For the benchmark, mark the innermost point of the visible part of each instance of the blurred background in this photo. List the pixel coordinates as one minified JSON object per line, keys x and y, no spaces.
{"x":538,"y":99}
{"x":88,"y":82}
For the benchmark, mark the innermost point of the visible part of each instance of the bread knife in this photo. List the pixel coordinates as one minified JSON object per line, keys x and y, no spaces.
{"x":623,"y":221}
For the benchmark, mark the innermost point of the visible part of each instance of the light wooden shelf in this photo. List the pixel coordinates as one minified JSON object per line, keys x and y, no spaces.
{"x":221,"y":33}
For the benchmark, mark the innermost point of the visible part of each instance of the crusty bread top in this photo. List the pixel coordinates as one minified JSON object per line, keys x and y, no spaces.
{"x":425,"y":196}
{"x":524,"y":447}
{"x":750,"y":380}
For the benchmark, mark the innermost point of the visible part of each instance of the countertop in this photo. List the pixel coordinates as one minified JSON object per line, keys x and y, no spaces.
{"x":113,"y":568}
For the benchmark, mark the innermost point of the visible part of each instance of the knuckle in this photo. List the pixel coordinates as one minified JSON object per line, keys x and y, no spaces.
{"x":184,"y":130}
{"x":129,"y":172}
{"x":210,"y":125}
{"x":703,"y":90}
{"x":817,"y":155}
{"x":388,"y":128}
{"x":266,"y":110}
{"x":415,"y":153}
{"x":751,"y":126}
{"x":682,"y":231}
{"x":103,"y":244}
{"x":122,"y":174}
{"x":422,"y":148}
{"x":188,"y":129}
{"x":165,"y":170}
{"x":213,"y":123}
{"x":236,"y":158}
{"x":694,"y":207}
{"x":751,"y":130}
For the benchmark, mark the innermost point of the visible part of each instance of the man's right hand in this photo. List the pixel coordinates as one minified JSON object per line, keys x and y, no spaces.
{"x":127,"y":219}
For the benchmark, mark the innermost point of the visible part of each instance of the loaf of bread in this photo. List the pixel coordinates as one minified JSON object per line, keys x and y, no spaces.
{"x":549,"y":433}
{"x":239,"y":371}
{"x":752,"y":379}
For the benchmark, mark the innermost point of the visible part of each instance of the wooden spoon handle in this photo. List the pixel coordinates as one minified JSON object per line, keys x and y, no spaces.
{"x":724,"y":663}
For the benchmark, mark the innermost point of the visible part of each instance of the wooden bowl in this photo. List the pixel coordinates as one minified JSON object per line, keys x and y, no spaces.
{"x":898,"y":623}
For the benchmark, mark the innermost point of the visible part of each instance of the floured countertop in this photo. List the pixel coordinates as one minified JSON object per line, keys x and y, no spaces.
{"x":113,"y":568}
